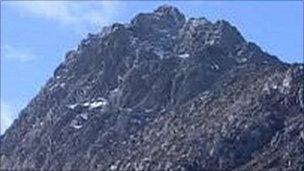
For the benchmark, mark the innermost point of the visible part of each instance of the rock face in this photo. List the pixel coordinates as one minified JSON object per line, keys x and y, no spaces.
{"x":162,"y":93}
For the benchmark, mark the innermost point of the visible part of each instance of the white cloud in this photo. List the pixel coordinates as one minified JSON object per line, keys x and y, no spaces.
{"x":53,"y":10}
{"x":7,"y":116}
{"x":79,"y":15}
{"x":13,"y":53}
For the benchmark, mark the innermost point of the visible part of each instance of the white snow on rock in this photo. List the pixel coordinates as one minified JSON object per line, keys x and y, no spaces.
{"x":163,"y":110}
{"x":75,"y":125}
{"x":240,"y":52}
{"x":92,"y":105}
{"x":100,"y":102}
{"x":72,"y":106}
{"x":120,"y":78}
{"x":97,"y":104}
{"x":113,"y":167}
{"x":114,"y":29}
{"x":286,"y":81}
{"x":86,"y":104}
{"x":185,"y":55}
{"x":199,"y":21}
{"x":116,"y":90}
{"x":57,"y":85}
{"x":274,"y":86}
{"x":149,"y":110}
{"x":84,"y":116}
{"x":53,"y":87}
{"x":129,"y":109}
{"x":243,"y":59}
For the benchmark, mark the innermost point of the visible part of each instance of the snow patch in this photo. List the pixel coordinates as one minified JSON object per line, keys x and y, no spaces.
{"x":244,"y":60}
{"x":163,"y":110}
{"x":149,"y":110}
{"x":53,"y":87}
{"x":113,"y":167}
{"x":129,"y":109}
{"x":72,"y":106}
{"x":274,"y":86}
{"x":240,"y":52}
{"x":211,"y":152}
{"x":195,"y":22}
{"x":286,"y":81}
{"x":74,"y":124}
{"x":97,"y":104}
{"x":77,"y":126}
{"x":185,"y":55}
{"x":86,"y":104}
{"x":84,"y":116}
{"x":116,"y":90}
{"x":120,"y":78}
{"x":62,"y":85}
{"x":114,"y":29}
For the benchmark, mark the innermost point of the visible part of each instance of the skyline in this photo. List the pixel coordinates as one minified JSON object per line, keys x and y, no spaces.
{"x":36,"y":35}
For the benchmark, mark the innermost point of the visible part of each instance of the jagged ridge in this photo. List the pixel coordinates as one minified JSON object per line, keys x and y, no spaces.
{"x":163,"y":93}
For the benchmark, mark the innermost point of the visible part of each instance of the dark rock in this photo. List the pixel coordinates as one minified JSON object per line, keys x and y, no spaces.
{"x":163,"y":93}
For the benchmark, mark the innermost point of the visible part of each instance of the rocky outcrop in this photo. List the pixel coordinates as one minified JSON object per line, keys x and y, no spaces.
{"x":162,"y":93}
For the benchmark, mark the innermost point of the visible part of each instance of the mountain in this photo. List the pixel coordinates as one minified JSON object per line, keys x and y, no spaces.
{"x":163,"y":93}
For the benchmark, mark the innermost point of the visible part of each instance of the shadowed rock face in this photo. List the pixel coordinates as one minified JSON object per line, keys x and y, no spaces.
{"x":163,"y":93}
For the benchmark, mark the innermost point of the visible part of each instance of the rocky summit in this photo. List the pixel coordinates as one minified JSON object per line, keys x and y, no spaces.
{"x":163,"y":92}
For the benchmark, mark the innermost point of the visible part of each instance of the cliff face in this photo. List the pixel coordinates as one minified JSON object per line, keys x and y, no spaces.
{"x":163,"y":92}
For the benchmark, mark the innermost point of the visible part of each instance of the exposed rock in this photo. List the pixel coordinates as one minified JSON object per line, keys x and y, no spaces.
{"x":163,"y":93}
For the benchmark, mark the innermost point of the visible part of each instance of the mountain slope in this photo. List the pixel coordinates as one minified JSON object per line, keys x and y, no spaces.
{"x":163,"y":92}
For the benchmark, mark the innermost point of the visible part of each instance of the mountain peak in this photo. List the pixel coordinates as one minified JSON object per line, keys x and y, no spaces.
{"x":168,"y":10}
{"x":163,"y":18}
{"x":162,"y":93}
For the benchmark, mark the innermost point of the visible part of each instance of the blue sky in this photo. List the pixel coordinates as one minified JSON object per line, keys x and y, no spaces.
{"x":36,"y":35}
